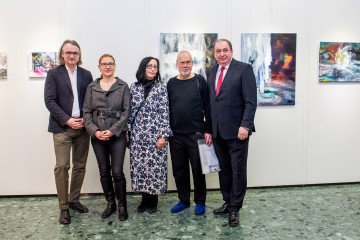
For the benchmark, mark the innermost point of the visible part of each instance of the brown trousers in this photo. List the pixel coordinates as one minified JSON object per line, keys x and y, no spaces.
{"x":76,"y":141}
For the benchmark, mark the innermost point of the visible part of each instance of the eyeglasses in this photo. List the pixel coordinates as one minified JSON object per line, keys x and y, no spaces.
{"x":72,"y":53}
{"x":151,"y":67}
{"x":110,"y":64}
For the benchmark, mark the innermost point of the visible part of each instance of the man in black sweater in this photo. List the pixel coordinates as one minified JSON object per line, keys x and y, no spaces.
{"x":189,"y":119}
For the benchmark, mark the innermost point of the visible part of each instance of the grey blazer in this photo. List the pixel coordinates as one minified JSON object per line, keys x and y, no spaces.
{"x":116,"y":99}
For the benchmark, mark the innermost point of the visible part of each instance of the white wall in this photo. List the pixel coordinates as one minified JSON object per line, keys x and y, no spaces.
{"x":333,"y":112}
{"x":314,"y":141}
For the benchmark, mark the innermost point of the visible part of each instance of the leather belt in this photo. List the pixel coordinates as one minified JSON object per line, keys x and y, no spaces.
{"x":108,"y":114}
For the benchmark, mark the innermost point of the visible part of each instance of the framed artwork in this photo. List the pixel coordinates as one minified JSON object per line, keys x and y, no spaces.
{"x":273,"y":58}
{"x":198,"y":44}
{"x":41,"y":62}
{"x":3,"y":65}
{"x":339,"y":62}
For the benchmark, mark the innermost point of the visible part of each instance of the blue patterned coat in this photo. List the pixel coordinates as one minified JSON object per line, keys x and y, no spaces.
{"x":148,"y":165}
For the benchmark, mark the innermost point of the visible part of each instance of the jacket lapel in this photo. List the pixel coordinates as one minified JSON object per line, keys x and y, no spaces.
{"x":79,"y":80}
{"x":229,"y":72}
{"x":65,"y":76}
{"x":212,"y":79}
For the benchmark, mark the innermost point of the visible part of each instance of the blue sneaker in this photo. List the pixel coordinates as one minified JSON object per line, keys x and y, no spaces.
{"x":199,"y":209}
{"x":179,"y":207}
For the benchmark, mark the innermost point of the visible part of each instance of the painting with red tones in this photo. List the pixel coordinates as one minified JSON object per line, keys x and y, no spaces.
{"x":339,"y":62}
{"x":41,"y":62}
{"x":273,"y":58}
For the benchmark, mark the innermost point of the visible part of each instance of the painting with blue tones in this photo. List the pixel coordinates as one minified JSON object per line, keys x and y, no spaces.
{"x":273,"y":58}
{"x":339,"y":62}
{"x":198,"y":44}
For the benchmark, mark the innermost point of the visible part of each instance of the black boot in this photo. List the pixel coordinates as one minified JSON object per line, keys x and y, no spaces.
{"x":108,"y":188}
{"x":120,"y":192}
{"x":142,"y":206}
{"x":152,"y":203}
{"x":123,"y":214}
{"x":110,"y":209}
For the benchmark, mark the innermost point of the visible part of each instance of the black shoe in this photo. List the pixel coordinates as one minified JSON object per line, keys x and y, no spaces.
{"x":110,"y":209}
{"x":233,"y":219}
{"x":221,"y":210}
{"x":141,"y":208}
{"x":64,"y":217}
{"x":123,"y":214}
{"x":151,"y":210}
{"x":77,"y":206}
{"x":152,"y":203}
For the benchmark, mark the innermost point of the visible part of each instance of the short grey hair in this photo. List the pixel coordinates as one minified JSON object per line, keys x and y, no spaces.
{"x":181,"y":52}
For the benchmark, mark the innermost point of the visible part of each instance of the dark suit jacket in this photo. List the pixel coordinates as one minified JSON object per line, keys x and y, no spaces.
{"x":236,"y":102}
{"x":59,"y":96}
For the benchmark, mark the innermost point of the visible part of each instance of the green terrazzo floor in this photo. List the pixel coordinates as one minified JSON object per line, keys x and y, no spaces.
{"x":312,"y":212}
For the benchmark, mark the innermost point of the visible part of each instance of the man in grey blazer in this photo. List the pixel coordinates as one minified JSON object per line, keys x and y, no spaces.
{"x":233,"y":102}
{"x":64,"y":94}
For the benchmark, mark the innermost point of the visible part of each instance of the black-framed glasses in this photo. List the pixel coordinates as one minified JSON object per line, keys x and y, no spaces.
{"x":110,"y":64}
{"x":72,"y":53}
{"x":152,"y":67}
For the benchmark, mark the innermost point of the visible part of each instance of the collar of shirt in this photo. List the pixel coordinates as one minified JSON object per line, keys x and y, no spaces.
{"x":69,"y":71}
{"x":224,"y":73}
{"x":225,"y":70}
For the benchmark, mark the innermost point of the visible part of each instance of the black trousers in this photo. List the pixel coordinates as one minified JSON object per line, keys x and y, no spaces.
{"x":232,"y":155}
{"x":110,"y":157}
{"x":184,"y":148}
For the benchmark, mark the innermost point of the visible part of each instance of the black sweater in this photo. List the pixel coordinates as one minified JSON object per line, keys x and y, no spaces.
{"x":189,"y":105}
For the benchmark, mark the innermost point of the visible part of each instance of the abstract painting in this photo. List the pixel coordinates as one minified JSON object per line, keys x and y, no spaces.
{"x":339,"y":62}
{"x":3,"y":65}
{"x":198,"y":44}
{"x":273,"y":58}
{"x":41,"y":62}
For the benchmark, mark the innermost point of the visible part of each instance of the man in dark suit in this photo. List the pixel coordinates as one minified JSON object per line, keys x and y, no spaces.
{"x":233,"y":102}
{"x":64,"y":94}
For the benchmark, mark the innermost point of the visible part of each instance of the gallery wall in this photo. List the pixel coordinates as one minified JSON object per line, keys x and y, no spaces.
{"x":313,"y":142}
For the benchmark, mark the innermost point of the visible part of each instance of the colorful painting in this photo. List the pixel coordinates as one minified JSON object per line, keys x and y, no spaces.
{"x":198,"y":44}
{"x":273,"y":58}
{"x":3,"y":65}
{"x":339,"y":62}
{"x":41,"y":62}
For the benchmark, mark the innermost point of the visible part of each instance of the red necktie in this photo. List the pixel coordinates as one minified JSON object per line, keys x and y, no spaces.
{"x":219,"y":82}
